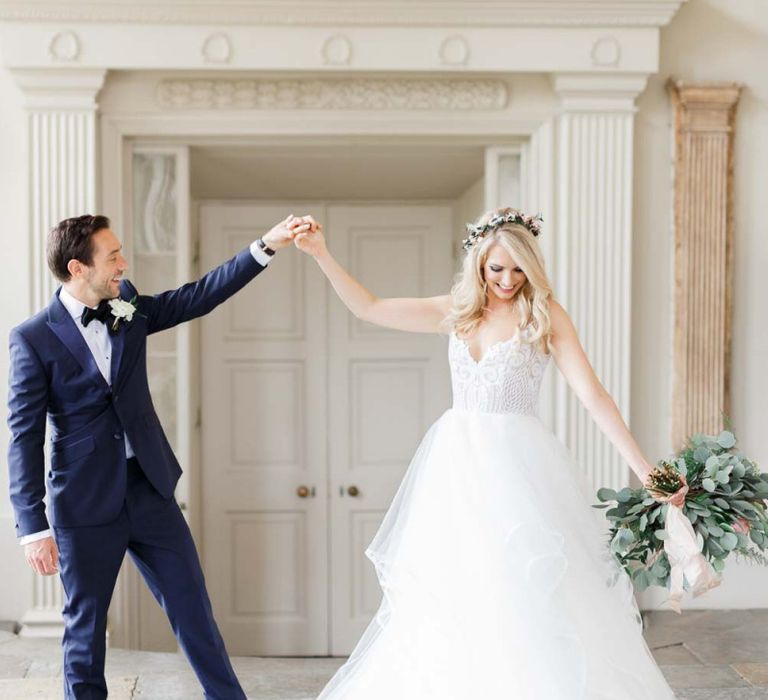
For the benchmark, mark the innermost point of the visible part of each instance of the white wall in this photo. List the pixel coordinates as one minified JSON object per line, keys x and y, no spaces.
{"x":466,"y":209}
{"x":708,"y":40}
{"x":722,"y":40}
{"x":16,"y":590}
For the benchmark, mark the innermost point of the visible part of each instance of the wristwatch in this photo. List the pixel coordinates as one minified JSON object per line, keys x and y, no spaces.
{"x":263,"y":246}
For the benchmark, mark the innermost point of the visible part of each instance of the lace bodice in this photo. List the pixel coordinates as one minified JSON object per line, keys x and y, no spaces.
{"x":506,"y":380}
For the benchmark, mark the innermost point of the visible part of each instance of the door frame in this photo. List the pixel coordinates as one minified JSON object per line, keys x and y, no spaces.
{"x":120,"y":134}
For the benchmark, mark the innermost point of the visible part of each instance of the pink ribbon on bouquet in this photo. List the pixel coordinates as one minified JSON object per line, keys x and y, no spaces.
{"x":685,"y":558}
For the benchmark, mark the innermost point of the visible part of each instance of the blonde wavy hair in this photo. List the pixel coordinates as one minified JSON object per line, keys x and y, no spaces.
{"x":469,"y":293}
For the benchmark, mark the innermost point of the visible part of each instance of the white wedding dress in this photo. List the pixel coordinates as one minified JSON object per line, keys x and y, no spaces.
{"x":496,"y":577}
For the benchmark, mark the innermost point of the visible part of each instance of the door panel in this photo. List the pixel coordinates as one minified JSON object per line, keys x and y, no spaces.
{"x":265,"y":547}
{"x":386,"y":388}
{"x":298,"y":392}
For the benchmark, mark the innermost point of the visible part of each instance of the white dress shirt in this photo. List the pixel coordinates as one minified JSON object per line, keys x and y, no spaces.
{"x":99,"y":342}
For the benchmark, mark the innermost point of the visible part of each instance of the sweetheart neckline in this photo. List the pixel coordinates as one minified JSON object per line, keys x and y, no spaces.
{"x":488,"y":350}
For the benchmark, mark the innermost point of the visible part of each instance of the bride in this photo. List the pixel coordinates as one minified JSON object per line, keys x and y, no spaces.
{"x":496,"y":576}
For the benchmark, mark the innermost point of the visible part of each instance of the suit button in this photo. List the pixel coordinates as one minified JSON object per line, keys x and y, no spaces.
{"x":117,"y":436}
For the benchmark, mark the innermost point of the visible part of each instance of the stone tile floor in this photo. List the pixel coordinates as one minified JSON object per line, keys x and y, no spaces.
{"x":706,"y":655}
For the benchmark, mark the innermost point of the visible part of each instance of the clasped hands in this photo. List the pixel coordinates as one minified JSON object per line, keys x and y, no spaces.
{"x":293,"y":229}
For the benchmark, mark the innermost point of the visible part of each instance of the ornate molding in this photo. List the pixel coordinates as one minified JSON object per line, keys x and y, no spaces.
{"x":334,"y":94}
{"x":606,"y":52}
{"x":64,"y":47}
{"x":461,"y":13}
{"x":337,"y":50}
{"x":217,"y":49}
{"x":705,"y":117}
{"x":599,"y":92}
{"x":454,"y":51}
{"x":59,"y":89}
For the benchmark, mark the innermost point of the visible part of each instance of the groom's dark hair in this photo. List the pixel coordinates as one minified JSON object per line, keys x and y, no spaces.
{"x":71,"y":240}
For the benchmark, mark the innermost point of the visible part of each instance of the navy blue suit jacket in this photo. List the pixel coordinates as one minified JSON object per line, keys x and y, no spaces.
{"x":54,"y":374}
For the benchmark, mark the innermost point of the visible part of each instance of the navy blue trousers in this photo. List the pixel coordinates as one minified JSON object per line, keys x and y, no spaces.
{"x":153,"y":530}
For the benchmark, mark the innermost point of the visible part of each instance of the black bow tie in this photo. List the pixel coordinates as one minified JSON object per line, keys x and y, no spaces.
{"x":100,"y":313}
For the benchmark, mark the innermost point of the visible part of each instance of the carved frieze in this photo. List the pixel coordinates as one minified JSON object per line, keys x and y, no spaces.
{"x":334,"y":94}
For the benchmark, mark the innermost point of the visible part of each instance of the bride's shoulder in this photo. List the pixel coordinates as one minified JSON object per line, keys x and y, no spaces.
{"x":556,"y":310}
{"x":559,"y":320}
{"x":558,"y":316}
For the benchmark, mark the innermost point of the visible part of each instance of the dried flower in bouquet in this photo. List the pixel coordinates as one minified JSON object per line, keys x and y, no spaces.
{"x":725,"y":497}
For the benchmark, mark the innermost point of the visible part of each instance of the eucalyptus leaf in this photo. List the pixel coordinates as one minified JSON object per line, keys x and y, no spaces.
{"x":722,"y":503}
{"x":701,"y":454}
{"x":708,"y":485}
{"x":726,"y":439}
{"x":718,"y":565}
{"x":744,"y":505}
{"x":624,"y":495}
{"x":712,"y":464}
{"x":606,"y":494}
{"x":716,"y":531}
{"x":715,"y":549}
{"x":728,"y":541}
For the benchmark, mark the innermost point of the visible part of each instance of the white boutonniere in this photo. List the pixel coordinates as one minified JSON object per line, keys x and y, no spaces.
{"x":122,"y":310}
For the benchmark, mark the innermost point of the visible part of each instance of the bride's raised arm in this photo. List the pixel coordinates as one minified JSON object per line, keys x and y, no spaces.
{"x":419,"y":315}
{"x":572,"y":361}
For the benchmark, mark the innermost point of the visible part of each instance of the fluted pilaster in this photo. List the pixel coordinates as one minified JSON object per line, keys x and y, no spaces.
{"x":61,"y":139}
{"x":594,"y":170}
{"x":61,"y":142}
{"x":704,"y":135}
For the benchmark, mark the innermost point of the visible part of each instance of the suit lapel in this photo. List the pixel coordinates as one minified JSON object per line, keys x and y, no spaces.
{"x":118,"y":339}
{"x":63,"y":325}
{"x":118,"y":343}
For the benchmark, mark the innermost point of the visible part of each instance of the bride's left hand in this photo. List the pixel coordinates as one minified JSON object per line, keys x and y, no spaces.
{"x":678,"y":497}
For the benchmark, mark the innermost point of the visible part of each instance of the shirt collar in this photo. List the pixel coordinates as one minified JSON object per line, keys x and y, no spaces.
{"x":72,"y":305}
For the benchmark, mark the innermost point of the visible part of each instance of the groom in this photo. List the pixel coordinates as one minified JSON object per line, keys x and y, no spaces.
{"x":81,"y":364}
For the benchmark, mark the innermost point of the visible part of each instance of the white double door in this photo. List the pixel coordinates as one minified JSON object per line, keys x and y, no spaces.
{"x":309,"y":420}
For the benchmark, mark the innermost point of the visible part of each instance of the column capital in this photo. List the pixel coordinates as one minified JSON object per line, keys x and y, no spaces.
{"x":704,"y":107}
{"x":61,"y":89}
{"x":598,"y":92}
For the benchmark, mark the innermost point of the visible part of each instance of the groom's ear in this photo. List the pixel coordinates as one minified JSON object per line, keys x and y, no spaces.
{"x":75,"y":268}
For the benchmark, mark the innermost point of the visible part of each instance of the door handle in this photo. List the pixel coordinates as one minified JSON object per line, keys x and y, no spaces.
{"x":305,"y":492}
{"x":353,"y":491}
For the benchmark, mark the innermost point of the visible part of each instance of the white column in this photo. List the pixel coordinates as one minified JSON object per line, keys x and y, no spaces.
{"x":61,"y":141}
{"x":593,"y":235}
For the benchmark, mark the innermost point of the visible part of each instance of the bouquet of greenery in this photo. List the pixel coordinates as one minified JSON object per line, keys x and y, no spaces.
{"x":722,"y":496}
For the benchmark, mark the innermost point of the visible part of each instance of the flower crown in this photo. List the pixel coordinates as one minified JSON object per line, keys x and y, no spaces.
{"x":513,"y":216}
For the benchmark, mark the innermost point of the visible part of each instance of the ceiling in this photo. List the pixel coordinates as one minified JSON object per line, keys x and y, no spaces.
{"x":348,"y":172}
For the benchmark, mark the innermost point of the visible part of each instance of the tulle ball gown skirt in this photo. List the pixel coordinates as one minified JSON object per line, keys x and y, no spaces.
{"x":496,"y":578}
